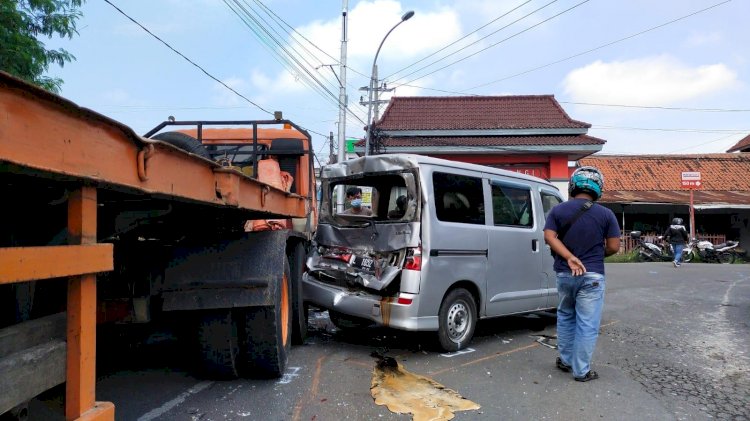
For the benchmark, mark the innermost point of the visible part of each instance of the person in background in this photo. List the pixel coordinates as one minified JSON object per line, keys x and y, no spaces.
{"x":677,"y":236}
{"x":400,"y":210}
{"x":579,"y":264}
{"x":354,"y":197}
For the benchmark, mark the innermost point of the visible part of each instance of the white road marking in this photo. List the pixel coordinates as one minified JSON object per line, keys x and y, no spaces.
{"x":158,"y":412}
{"x":290,"y":374}
{"x":461,"y":352}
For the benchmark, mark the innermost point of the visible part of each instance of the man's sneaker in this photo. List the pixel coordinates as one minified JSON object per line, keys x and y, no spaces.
{"x":591,"y":375}
{"x":562,"y":366}
{"x":675,"y":264}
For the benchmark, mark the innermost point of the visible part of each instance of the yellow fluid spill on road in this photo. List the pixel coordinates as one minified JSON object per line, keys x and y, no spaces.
{"x":408,"y":393}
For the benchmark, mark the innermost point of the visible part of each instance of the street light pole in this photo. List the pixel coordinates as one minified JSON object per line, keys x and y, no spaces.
{"x":374,"y":81}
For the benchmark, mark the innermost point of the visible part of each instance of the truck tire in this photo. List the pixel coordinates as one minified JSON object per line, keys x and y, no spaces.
{"x":219,"y":344}
{"x":185,"y":142}
{"x":457,"y":320}
{"x":297,"y":257}
{"x":268,"y":333}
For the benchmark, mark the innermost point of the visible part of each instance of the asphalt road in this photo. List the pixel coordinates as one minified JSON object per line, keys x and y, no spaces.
{"x":674,"y":344}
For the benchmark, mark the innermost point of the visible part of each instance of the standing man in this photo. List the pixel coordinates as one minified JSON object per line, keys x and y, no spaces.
{"x":590,"y":232}
{"x":677,"y":236}
{"x":354,"y":197}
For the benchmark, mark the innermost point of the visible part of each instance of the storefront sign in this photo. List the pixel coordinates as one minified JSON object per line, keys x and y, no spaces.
{"x":691,"y":180}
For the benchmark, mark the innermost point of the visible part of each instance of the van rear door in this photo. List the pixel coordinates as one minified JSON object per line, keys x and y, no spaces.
{"x":515,"y":281}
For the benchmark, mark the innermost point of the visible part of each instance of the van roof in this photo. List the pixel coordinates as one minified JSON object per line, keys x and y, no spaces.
{"x":391,"y":162}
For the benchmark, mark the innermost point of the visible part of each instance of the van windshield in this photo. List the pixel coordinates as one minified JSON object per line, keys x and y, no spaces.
{"x":371,"y":198}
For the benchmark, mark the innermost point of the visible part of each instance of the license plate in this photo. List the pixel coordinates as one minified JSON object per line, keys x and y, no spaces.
{"x":365,"y":263}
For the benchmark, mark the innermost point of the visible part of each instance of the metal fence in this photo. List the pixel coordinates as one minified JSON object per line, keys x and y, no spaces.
{"x":627,"y":244}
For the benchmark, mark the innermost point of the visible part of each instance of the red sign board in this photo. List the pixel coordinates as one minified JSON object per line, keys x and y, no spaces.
{"x":691,"y":180}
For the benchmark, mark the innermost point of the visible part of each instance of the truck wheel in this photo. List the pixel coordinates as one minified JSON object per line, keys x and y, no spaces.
{"x":219,"y":344}
{"x":185,"y":142}
{"x":457,"y":320}
{"x":268,"y":333}
{"x":299,"y":309}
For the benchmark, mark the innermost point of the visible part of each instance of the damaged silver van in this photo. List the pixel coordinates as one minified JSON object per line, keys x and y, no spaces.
{"x":440,"y":245}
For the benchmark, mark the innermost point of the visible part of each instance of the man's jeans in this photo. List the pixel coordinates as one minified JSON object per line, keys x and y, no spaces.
{"x":578,"y":316}
{"x":678,"y":252}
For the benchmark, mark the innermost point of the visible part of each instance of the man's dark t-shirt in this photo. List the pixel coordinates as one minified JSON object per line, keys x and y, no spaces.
{"x":676,"y":234}
{"x":586,"y":237}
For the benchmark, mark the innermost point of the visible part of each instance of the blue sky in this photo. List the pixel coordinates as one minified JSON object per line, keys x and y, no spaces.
{"x":664,"y":82}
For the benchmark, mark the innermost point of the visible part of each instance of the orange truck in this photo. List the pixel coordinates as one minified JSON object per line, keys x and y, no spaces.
{"x":202,"y":224}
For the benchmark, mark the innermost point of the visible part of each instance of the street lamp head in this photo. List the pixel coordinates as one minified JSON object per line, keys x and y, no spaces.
{"x":407,"y":15}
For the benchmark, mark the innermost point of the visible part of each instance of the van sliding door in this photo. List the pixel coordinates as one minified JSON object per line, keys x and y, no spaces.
{"x":515,"y":280}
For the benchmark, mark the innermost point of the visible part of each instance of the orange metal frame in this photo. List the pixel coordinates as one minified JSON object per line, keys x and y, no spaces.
{"x":55,"y":137}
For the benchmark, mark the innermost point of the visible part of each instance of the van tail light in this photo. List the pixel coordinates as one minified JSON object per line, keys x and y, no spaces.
{"x":404,"y":300}
{"x":414,"y":259}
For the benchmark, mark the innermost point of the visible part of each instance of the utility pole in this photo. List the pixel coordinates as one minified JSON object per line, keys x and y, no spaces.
{"x":342,"y":101}
{"x":342,"y":83}
{"x":331,"y":157}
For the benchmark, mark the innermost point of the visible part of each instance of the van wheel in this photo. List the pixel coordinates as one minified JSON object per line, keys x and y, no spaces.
{"x":457,"y":320}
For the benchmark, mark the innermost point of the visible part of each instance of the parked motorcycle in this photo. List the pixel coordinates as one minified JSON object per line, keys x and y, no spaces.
{"x":651,"y":252}
{"x":709,"y":253}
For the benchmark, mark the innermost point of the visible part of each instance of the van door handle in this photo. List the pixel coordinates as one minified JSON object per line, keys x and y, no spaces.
{"x":535,"y":245}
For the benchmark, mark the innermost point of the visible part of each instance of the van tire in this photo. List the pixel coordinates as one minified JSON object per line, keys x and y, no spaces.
{"x":457,"y":320}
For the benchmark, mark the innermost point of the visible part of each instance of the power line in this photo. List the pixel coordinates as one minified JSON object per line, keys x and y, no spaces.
{"x":188,"y":60}
{"x":731,"y":131}
{"x":655,"y":107}
{"x":466,"y":36}
{"x":599,"y":47}
{"x":495,"y":44}
{"x":293,"y":64}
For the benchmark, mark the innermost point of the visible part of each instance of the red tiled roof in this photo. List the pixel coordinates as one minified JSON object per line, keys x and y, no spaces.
{"x":476,"y":112}
{"x":677,"y":197}
{"x":744,"y":143}
{"x":657,"y":178}
{"x":489,"y":141}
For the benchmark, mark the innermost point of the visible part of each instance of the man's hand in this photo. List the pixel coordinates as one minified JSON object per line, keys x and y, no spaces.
{"x":576,"y":266}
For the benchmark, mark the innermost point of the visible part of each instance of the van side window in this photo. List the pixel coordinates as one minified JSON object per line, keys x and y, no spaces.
{"x":458,"y":198}
{"x":549,"y":201}
{"x":511,"y":206}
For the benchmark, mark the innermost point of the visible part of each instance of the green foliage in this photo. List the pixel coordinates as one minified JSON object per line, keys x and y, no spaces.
{"x":22,"y":23}
{"x":631,"y":257}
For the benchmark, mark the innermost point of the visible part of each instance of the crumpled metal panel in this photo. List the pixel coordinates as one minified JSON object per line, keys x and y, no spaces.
{"x":373,"y":163}
{"x":380,"y":237}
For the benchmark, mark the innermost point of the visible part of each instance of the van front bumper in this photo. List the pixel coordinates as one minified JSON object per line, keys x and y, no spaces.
{"x":383,"y":311}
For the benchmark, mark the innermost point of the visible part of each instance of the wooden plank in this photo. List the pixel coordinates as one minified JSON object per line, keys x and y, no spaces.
{"x":32,"y":333}
{"x":30,"y":372}
{"x":80,"y":384}
{"x":19,"y":264}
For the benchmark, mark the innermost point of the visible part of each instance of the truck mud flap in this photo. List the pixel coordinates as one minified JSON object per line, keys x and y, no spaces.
{"x":236,"y":273}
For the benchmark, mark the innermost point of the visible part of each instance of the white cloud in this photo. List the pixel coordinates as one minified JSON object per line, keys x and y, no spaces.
{"x":654,"y":81}
{"x":702,"y":39}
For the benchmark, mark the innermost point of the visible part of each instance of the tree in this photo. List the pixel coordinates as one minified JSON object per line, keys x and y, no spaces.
{"x":22,"y":23}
